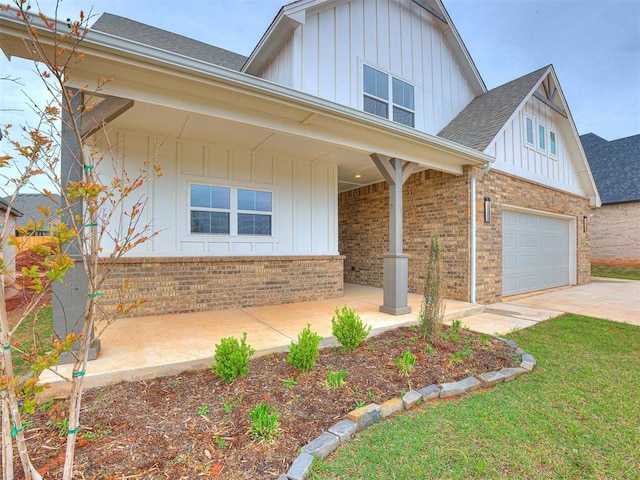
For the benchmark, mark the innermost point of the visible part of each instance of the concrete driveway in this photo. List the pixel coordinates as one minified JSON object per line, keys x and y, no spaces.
{"x":612,"y":299}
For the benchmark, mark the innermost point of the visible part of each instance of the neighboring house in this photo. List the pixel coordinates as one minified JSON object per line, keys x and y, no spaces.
{"x":615,"y":227}
{"x":29,"y":204}
{"x":8,"y":251}
{"x":353,"y":133}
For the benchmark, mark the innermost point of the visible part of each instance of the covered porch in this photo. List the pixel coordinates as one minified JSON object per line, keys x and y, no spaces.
{"x":140,"y":348}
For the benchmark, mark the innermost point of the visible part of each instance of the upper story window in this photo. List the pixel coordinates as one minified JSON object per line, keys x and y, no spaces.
{"x":553,"y":143}
{"x":230,"y":211}
{"x":542,"y":137}
{"x":528,"y":130}
{"x":399,"y":106}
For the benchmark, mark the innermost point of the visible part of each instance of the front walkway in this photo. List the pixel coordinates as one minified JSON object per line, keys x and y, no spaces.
{"x":152,"y":346}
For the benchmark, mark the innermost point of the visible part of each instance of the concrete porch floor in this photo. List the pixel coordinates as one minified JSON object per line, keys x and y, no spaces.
{"x":158,"y":345}
{"x":152,"y":346}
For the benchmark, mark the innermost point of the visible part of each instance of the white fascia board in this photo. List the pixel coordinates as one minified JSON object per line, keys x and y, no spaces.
{"x":462,"y":53}
{"x":118,"y":49}
{"x":276,"y":35}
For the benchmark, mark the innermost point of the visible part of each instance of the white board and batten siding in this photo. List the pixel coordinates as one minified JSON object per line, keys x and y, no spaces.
{"x":513,"y":154}
{"x":304,"y":198}
{"x":325,"y":57}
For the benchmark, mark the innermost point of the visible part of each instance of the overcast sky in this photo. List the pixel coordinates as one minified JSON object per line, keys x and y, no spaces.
{"x":593,"y":45}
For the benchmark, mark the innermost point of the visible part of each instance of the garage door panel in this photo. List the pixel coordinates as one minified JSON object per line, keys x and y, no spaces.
{"x":536,"y":252}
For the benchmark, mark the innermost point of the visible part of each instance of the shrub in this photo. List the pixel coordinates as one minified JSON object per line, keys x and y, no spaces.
{"x":432,"y":308}
{"x":348,"y":328}
{"x":232,"y":358}
{"x":405,"y":363}
{"x":304,"y":354}
{"x":264,"y":423}
{"x":335,"y":379}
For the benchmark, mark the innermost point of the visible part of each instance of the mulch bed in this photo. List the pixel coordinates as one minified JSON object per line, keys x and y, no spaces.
{"x":194,"y":425}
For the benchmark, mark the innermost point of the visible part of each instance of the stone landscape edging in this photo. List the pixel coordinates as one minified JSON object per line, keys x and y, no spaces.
{"x":361,"y":418}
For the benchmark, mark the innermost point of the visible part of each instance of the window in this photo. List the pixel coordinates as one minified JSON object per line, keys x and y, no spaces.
{"x":553,"y":146}
{"x":542,"y":140}
{"x":230,"y":211}
{"x":250,"y":222}
{"x":528,"y":130}
{"x":399,"y":107}
{"x":210,"y":209}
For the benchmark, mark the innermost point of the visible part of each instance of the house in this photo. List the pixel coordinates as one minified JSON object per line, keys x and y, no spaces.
{"x":615,"y":228}
{"x":8,"y":251}
{"x":29,"y":204}
{"x":353,"y":132}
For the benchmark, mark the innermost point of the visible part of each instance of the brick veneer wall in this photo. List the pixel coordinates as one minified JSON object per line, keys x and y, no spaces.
{"x":505,"y":189}
{"x":439,"y":201}
{"x":615,"y":234}
{"x":432,"y":201}
{"x":189,"y":284}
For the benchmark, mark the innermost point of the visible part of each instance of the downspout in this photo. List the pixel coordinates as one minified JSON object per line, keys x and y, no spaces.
{"x":478,"y":174}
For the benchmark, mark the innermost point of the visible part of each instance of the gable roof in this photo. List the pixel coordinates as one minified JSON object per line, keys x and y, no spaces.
{"x":295,"y":13}
{"x":615,"y":166}
{"x":26,"y":204}
{"x":480,"y":121}
{"x":172,"y":42}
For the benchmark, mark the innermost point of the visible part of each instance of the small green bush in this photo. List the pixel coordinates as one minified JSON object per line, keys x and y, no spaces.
{"x":335,"y":379}
{"x":348,"y":328}
{"x":405,"y":363}
{"x":264,"y":423}
{"x":232,"y":358}
{"x":304,"y":354}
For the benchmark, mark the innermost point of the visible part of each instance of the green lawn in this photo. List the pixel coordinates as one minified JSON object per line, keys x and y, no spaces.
{"x":577,"y":415}
{"x":37,"y":328}
{"x":629,"y":273}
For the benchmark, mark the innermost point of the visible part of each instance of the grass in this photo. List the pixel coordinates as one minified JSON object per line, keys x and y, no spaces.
{"x":610,"y":271}
{"x":577,"y":415}
{"x":37,"y":328}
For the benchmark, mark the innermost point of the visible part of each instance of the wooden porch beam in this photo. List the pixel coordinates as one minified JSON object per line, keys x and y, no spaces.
{"x":103,"y":113}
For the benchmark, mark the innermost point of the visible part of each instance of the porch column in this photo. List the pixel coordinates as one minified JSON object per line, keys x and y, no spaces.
{"x":69,"y":296}
{"x":395,"y":263}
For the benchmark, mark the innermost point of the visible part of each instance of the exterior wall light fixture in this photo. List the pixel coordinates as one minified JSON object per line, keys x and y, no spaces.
{"x":584,"y":223}
{"x":487,"y":209}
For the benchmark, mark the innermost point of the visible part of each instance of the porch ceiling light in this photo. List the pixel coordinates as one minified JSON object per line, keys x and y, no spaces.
{"x":487,"y":209}
{"x":358,"y":175}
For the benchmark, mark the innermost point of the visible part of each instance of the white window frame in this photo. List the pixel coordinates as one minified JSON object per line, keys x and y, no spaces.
{"x":542,"y":140}
{"x":531,"y":143}
{"x":555,"y":143}
{"x":233,"y":210}
{"x":389,"y":101}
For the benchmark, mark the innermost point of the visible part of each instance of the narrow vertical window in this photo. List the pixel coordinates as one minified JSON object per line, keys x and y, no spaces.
{"x":528,"y":130}
{"x":553,"y":148}
{"x":542,"y":140}
{"x":376,"y":92}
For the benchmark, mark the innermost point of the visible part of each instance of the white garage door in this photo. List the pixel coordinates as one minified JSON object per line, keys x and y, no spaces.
{"x":537,"y":252}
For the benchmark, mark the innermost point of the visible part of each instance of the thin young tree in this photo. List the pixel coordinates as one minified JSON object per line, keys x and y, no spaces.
{"x":432,"y":308}
{"x":101,"y":219}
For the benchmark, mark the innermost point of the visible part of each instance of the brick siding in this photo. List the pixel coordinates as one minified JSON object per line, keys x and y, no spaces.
{"x":435,"y":201}
{"x":189,"y":284}
{"x":615,"y":234}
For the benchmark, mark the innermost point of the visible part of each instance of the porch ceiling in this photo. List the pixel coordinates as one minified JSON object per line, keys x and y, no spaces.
{"x":166,"y":122}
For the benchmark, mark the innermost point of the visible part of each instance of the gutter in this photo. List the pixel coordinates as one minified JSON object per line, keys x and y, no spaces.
{"x":473,"y":203}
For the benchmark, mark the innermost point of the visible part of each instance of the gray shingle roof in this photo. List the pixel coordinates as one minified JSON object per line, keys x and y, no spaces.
{"x":615,"y":166}
{"x":482,"y":119}
{"x":155,"y":37}
{"x":28,"y":203}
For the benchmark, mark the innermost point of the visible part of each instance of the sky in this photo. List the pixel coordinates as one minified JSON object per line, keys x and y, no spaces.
{"x":593,"y":45}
